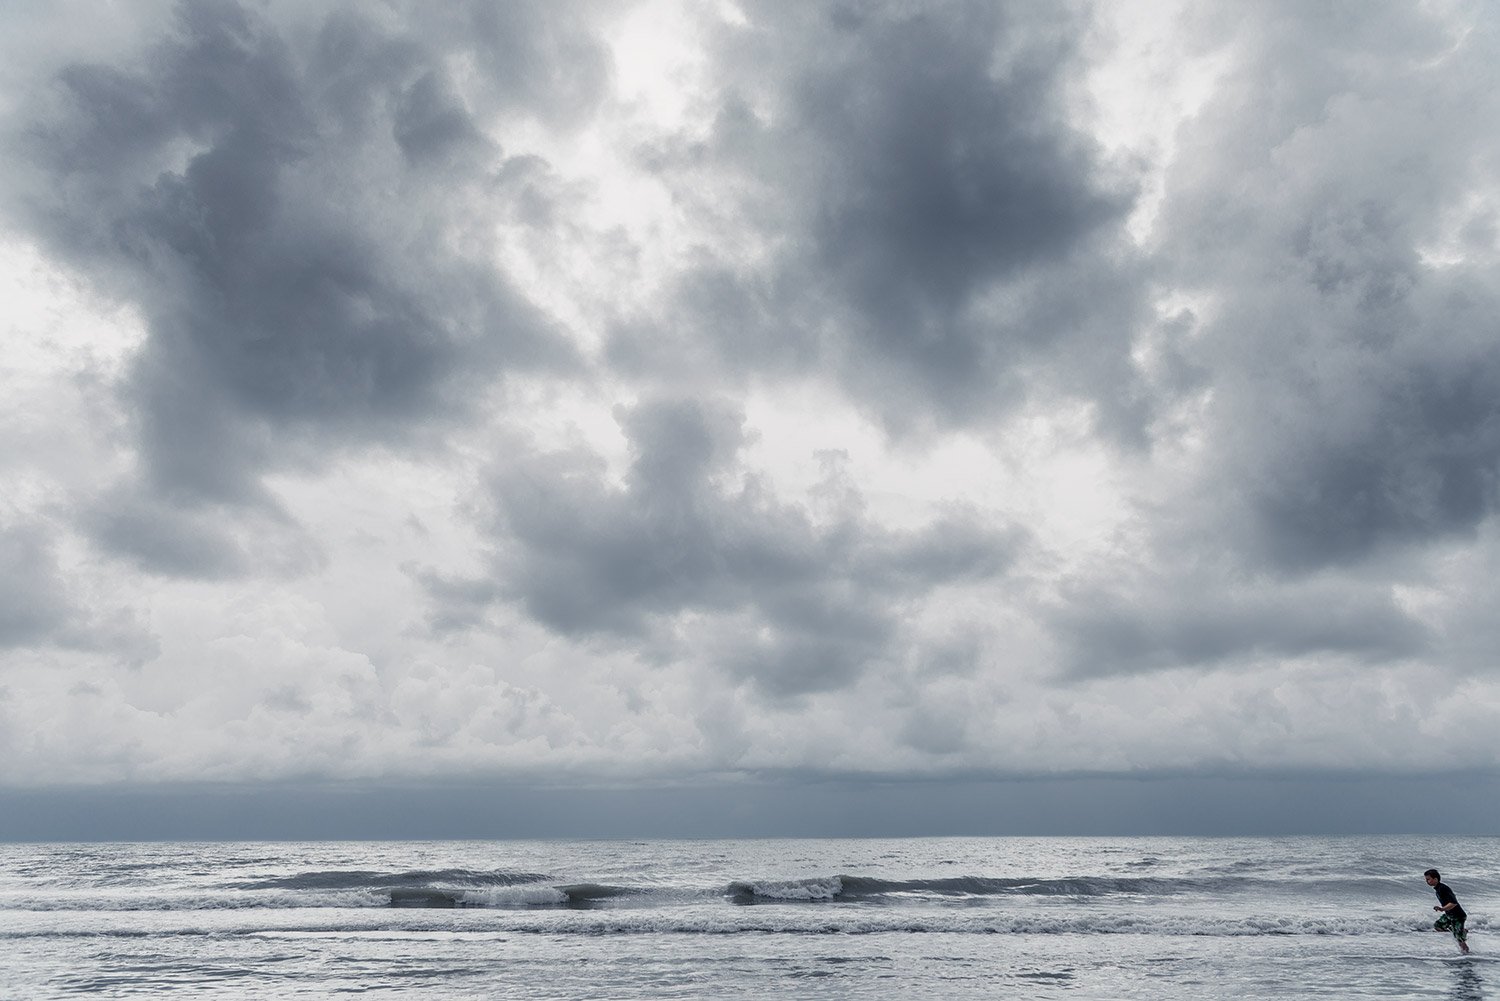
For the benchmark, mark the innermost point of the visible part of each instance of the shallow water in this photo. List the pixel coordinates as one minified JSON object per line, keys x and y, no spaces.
{"x":1159,"y":918}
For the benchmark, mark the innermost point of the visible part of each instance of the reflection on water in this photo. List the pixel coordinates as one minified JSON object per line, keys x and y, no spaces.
{"x":1468,"y":985}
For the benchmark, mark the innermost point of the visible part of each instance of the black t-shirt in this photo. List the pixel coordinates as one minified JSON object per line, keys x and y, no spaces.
{"x":1445,"y":896}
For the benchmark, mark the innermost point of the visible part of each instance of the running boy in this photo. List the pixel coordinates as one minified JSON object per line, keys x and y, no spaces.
{"x":1452,"y":917}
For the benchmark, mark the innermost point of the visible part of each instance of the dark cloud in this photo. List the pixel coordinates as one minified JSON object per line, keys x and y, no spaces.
{"x":173,"y":539}
{"x":542,"y":57}
{"x":43,"y":605}
{"x":1369,"y":418}
{"x":787,"y":603}
{"x":431,"y":122}
{"x":34,"y":604}
{"x":1422,"y":462}
{"x":1197,"y":619}
{"x":1354,"y":379}
{"x":282,"y":210}
{"x":937,"y":222}
{"x":942,"y":178}
{"x":458,"y":602}
{"x":1345,"y":387}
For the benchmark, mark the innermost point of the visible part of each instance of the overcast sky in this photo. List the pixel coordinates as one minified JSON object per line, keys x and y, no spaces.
{"x":583,"y":395}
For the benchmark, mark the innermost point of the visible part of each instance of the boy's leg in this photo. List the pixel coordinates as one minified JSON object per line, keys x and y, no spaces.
{"x":1460,"y":933}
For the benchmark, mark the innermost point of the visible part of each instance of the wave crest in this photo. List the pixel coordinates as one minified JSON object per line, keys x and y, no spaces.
{"x":846,"y":887}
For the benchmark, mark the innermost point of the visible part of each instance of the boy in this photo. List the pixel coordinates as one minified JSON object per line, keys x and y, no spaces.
{"x":1453,"y":916}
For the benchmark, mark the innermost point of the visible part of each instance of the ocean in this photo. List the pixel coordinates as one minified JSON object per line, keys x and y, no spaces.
{"x":919,"y":918}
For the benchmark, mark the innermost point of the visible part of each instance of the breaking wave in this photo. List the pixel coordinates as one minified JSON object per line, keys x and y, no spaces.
{"x":868,"y":888}
{"x":349,"y":879}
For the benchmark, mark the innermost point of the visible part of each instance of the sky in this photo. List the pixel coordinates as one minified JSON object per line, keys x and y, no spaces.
{"x":915,"y":417}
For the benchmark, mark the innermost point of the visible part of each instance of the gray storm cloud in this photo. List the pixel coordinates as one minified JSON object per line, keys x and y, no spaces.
{"x":281,"y":211}
{"x":940,"y":226}
{"x":1355,"y":378}
{"x":1346,"y":378}
{"x":34,"y":601}
{"x":797,"y":606}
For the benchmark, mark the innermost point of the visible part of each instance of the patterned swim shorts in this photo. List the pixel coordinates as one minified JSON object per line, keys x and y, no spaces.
{"x":1449,"y":923}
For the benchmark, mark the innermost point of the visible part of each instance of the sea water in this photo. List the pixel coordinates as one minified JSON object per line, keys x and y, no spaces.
{"x":930,"y":918}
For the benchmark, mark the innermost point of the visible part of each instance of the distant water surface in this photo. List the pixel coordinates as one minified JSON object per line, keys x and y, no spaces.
{"x":932,"y":918}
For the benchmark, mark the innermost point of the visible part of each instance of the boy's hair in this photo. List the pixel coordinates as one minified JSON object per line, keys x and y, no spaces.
{"x":1433,"y":873}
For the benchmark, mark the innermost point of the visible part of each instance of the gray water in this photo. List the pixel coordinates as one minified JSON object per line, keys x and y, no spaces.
{"x":1158,"y":918}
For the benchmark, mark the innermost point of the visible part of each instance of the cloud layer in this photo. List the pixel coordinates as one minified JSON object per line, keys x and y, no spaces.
{"x":609,"y":392}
